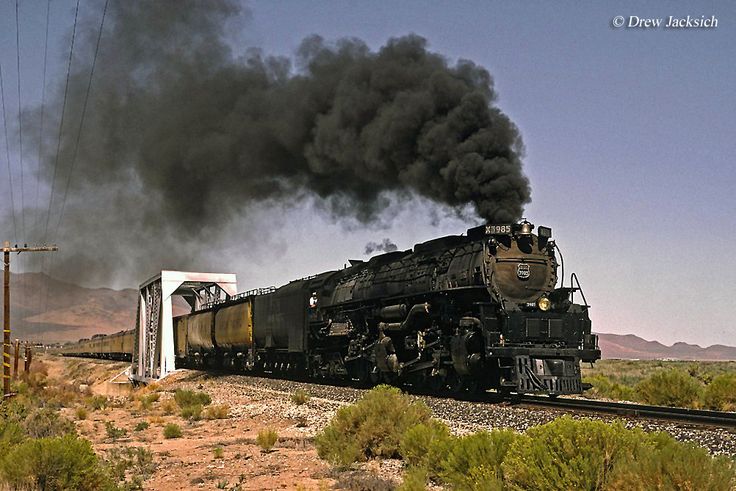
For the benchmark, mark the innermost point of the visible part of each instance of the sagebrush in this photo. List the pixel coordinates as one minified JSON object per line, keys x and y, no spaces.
{"x":372,"y":427}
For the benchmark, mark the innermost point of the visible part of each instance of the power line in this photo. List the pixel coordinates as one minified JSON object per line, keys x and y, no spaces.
{"x":61,"y":122}
{"x":20,"y":122}
{"x":39,"y":217}
{"x":81,"y":119}
{"x":7,"y":154}
{"x":43,"y":109}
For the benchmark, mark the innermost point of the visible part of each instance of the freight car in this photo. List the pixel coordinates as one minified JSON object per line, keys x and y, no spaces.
{"x":469,"y":312}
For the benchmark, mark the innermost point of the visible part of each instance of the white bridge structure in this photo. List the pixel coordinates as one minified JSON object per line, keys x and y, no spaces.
{"x":154,"y":355}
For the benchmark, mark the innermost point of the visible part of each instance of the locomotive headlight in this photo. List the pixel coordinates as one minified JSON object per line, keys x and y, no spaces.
{"x":544,"y":304}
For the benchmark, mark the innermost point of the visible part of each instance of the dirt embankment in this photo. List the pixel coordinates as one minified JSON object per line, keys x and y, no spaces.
{"x":217,"y":453}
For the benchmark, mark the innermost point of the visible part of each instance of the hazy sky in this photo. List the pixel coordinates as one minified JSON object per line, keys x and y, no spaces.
{"x":629,"y":136}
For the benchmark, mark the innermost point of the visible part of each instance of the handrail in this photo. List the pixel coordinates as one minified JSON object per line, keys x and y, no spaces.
{"x":562,"y":265}
{"x":575,"y":277}
{"x":255,"y":291}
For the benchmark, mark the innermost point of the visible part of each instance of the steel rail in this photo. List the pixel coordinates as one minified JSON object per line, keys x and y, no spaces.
{"x":625,"y":409}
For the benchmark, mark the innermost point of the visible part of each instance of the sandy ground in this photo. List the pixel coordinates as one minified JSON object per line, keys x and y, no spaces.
{"x":190,"y":462}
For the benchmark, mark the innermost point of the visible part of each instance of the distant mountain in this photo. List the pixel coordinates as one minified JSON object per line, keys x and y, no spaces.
{"x":46,"y":309}
{"x":629,"y":346}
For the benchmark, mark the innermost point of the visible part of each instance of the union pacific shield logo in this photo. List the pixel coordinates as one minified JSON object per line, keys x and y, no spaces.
{"x":523,"y":272}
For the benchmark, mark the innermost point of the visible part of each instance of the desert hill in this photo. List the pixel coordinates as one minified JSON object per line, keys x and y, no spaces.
{"x":629,"y":346}
{"x":47,"y":310}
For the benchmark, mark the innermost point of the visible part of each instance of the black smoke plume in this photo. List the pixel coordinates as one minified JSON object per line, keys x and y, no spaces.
{"x":182,"y":136}
{"x":385,"y":246}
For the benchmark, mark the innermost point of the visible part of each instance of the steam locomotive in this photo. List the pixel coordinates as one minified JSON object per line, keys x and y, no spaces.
{"x":469,"y":312}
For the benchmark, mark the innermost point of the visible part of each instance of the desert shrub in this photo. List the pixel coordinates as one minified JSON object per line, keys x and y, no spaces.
{"x":720,"y":394}
{"x":371,"y":427}
{"x":426,"y":445}
{"x":473,"y":462}
{"x":218,"y":452}
{"x":172,"y":430}
{"x":668,"y":464}
{"x":568,"y":454}
{"x":363,"y":480}
{"x":169,"y":406}
{"x":19,"y":387}
{"x":266,"y":439}
{"x":81,"y":412}
{"x":300,"y":397}
{"x":61,"y":395}
{"x":146,"y":401}
{"x":605,"y":387}
{"x":46,"y":422}
{"x":156,"y":420}
{"x":16,"y":409}
{"x":142,"y":425}
{"x":113,"y":431}
{"x":561,"y":455}
{"x":54,"y":464}
{"x":11,"y":433}
{"x":37,"y":377}
{"x":216,"y":411}
{"x":131,"y":465}
{"x":415,"y":479}
{"x":192,"y":412}
{"x":97,"y":402}
{"x":150,"y":388}
{"x":190,"y":398}
{"x":669,"y":388}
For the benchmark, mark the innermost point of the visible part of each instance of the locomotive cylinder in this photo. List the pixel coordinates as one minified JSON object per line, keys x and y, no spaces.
{"x":393,"y":312}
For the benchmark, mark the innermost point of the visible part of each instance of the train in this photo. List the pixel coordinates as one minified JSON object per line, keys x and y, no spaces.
{"x":471,"y":312}
{"x":118,"y":346}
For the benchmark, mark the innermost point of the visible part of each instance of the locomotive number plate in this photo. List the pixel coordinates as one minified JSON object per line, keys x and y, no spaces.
{"x":498,"y":229}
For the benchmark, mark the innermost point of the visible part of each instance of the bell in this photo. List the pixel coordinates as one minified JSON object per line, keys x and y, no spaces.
{"x":526,"y":228}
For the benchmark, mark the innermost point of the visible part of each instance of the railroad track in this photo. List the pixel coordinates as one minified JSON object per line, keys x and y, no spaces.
{"x":695,"y":416}
{"x":717,"y":419}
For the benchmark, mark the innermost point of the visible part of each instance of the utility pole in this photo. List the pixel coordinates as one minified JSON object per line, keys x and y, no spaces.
{"x":6,"y":307}
{"x":15,"y":361}
{"x":29,"y":357}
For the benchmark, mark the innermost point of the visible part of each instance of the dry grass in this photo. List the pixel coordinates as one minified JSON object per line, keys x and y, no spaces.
{"x":81,"y":413}
{"x":266,"y":439}
{"x":168,"y":406}
{"x":172,"y":430}
{"x":217,"y":411}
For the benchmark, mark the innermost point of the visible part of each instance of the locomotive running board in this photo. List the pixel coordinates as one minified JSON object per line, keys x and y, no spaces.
{"x":153,"y":350}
